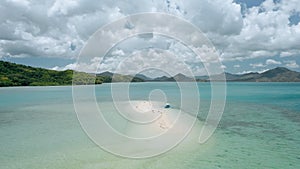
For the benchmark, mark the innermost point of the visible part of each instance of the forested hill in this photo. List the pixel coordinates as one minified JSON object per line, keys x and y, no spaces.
{"x":12,"y":74}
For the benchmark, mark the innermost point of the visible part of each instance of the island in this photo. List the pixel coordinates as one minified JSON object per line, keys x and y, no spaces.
{"x":12,"y":74}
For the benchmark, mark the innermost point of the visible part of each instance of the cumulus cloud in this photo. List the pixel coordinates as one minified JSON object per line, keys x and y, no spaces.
{"x":138,"y":61}
{"x":269,"y":62}
{"x":251,"y":71}
{"x":66,"y":21}
{"x":289,"y":53}
{"x":257,"y":65}
{"x":61,"y":7}
{"x":220,"y":16}
{"x":266,"y":32}
{"x":291,"y":64}
{"x":60,"y":28}
{"x":272,"y":62}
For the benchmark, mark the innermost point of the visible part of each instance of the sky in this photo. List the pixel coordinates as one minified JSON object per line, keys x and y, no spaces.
{"x":249,"y":35}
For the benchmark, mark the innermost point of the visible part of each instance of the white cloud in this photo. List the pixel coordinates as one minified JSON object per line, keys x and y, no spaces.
{"x":266,"y":32}
{"x":237,"y":66}
{"x":290,"y":53}
{"x":263,"y":70}
{"x":61,"y":7}
{"x":139,"y":61}
{"x":22,"y":3}
{"x":60,"y":28}
{"x":83,"y":67}
{"x":267,"y":63}
{"x":252,"y":71}
{"x":118,"y":52}
{"x":223,"y":67}
{"x":257,"y":65}
{"x":244,"y":72}
{"x":161,"y":60}
{"x":77,"y":20}
{"x":56,"y":68}
{"x":220,"y":16}
{"x":291,"y":64}
{"x":272,"y":62}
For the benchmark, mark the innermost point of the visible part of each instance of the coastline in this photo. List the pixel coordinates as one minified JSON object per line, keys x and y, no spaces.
{"x":146,"y":82}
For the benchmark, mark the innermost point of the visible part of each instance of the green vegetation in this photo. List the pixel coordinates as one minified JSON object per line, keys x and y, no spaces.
{"x":12,"y":74}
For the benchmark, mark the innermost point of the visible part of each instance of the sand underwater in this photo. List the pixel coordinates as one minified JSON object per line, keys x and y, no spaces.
{"x":260,"y":128}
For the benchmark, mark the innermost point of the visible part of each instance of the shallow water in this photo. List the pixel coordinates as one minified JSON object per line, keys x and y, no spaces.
{"x":260,"y":128}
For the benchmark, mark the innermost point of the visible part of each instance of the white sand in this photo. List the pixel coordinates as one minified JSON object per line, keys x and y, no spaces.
{"x":150,"y":119}
{"x":142,"y":128}
{"x":163,"y":116}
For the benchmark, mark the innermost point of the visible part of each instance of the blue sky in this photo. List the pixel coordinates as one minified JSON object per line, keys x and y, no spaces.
{"x":250,"y":35}
{"x":250,"y":3}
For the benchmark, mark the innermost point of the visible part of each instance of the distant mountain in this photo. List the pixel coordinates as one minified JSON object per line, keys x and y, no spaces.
{"x":108,"y":74}
{"x":179,"y":78}
{"x":202,"y":77}
{"x":183,"y":78}
{"x":279,"y":74}
{"x":250,"y":77}
{"x":230,"y":76}
{"x":109,"y":77}
{"x":12,"y":74}
{"x":163,"y":79}
{"x":143,"y":77}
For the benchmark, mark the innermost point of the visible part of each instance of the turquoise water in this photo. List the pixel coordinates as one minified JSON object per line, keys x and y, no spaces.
{"x":260,"y":128}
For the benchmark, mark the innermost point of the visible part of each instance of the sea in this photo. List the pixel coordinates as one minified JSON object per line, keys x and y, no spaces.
{"x":259,"y":129}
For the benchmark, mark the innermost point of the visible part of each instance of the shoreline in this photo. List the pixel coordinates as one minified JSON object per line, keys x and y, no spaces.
{"x":139,"y":82}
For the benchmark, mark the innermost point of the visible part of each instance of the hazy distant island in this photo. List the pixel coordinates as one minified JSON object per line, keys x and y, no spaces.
{"x":12,"y":74}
